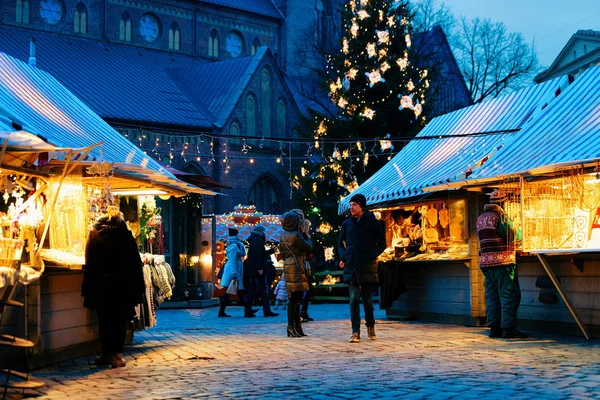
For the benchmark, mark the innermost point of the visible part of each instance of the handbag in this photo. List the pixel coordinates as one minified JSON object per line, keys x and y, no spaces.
{"x":232,"y":288}
{"x":302,"y":267}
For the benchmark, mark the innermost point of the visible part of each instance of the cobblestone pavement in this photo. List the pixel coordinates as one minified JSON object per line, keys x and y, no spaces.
{"x":194,"y":354}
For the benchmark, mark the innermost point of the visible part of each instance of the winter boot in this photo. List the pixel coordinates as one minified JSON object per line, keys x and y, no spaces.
{"x":513,"y":333}
{"x":298,"y":324}
{"x":291,"y":328}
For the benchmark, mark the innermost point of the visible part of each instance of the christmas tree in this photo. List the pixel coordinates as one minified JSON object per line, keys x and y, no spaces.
{"x":379,"y":94}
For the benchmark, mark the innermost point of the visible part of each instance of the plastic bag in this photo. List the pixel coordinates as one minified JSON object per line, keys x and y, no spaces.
{"x":233,"y":287}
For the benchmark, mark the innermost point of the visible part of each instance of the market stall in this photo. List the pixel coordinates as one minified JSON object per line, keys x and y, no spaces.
{"x":76,"y":187}
{"x":431,"y":233}
{"x":551,"y":171}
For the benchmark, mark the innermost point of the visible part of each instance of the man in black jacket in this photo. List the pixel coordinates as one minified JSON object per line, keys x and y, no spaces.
{"x":257,"y":256}
{"x":361,"y":241}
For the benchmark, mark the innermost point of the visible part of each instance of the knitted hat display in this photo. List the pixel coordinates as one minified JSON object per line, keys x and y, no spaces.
{"x":233,"y":232}
{"x":359,"y":199}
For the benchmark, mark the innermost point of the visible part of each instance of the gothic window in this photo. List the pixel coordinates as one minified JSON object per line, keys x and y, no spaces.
{"x":22,"y":8}
{"x":264,"y":196}
{"x":281,"y":118}
{"x":125,"y":27}
{"x":265,"y":102}
{"x":175,"y":37}
{"x":250,"y":116}
{"x":80,"y":18}
{"x":213,"y":44}
{"x":234,"y":129}
{"x":255,"y":46}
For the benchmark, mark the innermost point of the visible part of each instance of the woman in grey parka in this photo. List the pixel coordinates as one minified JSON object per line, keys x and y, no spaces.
{"x":293,"y":246}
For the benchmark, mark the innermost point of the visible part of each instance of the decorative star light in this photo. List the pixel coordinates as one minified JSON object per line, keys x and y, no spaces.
{"x":322,"y":129}
{"x":404,"y":21}
{"x":352,"y":186}
{"x":402,"y":63}
{"x":354,"y":29}
{"x":374,"y":77}
{"x":352,"y":73}
{"x":363,"y":14}
{"x":364,"y":3}
{"x":385,"y":66}
{"x":368,"y":113}
{"x":371,"y":51}
{"x":418,"y":109}
{"x":346,"y":153}
{"x":406,"y":102}
{"x":407,"y":39}
{"x":391,"y":21}
{"x":386,"y":144}
{"x":345,"y":46}
{"x":423,"y":73}
{"x":383,"y":36}
{"x":342,"y":103}
{"x":410,"y":85}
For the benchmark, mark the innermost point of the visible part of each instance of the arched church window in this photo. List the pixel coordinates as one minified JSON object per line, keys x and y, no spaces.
{"x":255,"y":46}
{"x":250,"y":116}
{"x":265,"y":102}
{"x":125,"y":27}
{"x":281,"y":118}
{"x":213,"y":44}
{"x":175,"y":37}
{"x":22,"y":8}
{"x":264,"y":196}
{"x":80,"y":18}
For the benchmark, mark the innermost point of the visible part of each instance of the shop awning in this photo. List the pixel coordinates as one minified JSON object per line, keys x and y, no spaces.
{"x":33,"y":101}
{"x":566,"y":134}
{"x":454,"y":144}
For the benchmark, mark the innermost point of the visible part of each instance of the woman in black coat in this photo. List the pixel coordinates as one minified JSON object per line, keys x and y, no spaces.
{"x":113,"y":282}
{"x":293,"y":246}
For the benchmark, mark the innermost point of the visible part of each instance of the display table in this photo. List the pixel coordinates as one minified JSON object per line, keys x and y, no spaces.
{"x":542,"y":256}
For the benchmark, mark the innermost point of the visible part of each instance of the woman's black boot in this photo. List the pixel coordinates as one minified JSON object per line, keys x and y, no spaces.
{"x":291,"y":329}
{"x":298,"y":324}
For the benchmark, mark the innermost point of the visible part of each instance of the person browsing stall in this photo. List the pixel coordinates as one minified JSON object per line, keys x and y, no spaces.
{"x":361,"y":241}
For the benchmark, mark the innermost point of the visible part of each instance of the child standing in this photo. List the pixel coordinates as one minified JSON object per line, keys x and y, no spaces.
{"x":281,"y":294}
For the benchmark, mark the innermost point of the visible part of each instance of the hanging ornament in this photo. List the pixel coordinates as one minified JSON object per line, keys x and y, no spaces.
{"x":314,"y":187}
{"x":352,"y":5}
{"x":324,"y":228}
{"x":371,"y":51}
{"x":404,"y":21}
{"x":352,"y":186}
{"x":381,"y":15}
{"x":354,"y":29}
{"x":418,"y":109}
{"x":364,"y":3}
{"x":386,"y":144}
{"x":423,"y":73}
{"x":342,"y":103}
{"x":336,"y":154}
{"x":402,"y":63}
{"x":363,"y":14}
{"x":405,"y":102}
{"x":382,"y":53}
{"x":346,"y":83}
{"x":385,"y":66}
{"x":407,"y":39}
{"x":303,"y":171}
{"x":383,"y":37}
{"x":368,"y":113}
{"x":391,"y":21}
{"x":366,"y":159}
{"x":410,"y":85}
{"x":321,"y":130}
{"x":359,"y":145}
{"x":351,"y":74}
{"x":374,"y":77}
{"x":345,"y":46}
{"x":340,"y":181}
{"x":346,"y":153}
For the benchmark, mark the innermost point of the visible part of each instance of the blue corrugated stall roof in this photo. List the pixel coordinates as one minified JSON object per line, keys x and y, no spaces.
{"x":568,"y":134}
{"x":429,"y":161}
{"x":41,"y":105}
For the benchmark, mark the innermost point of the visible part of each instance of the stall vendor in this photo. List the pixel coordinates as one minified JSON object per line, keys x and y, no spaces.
{"x":497,"y":260}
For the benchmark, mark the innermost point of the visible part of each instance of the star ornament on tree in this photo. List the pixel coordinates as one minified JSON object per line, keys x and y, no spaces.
{"x":374,"y":77}
{"x":383,"y":37}
{"x":371,"y":51}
